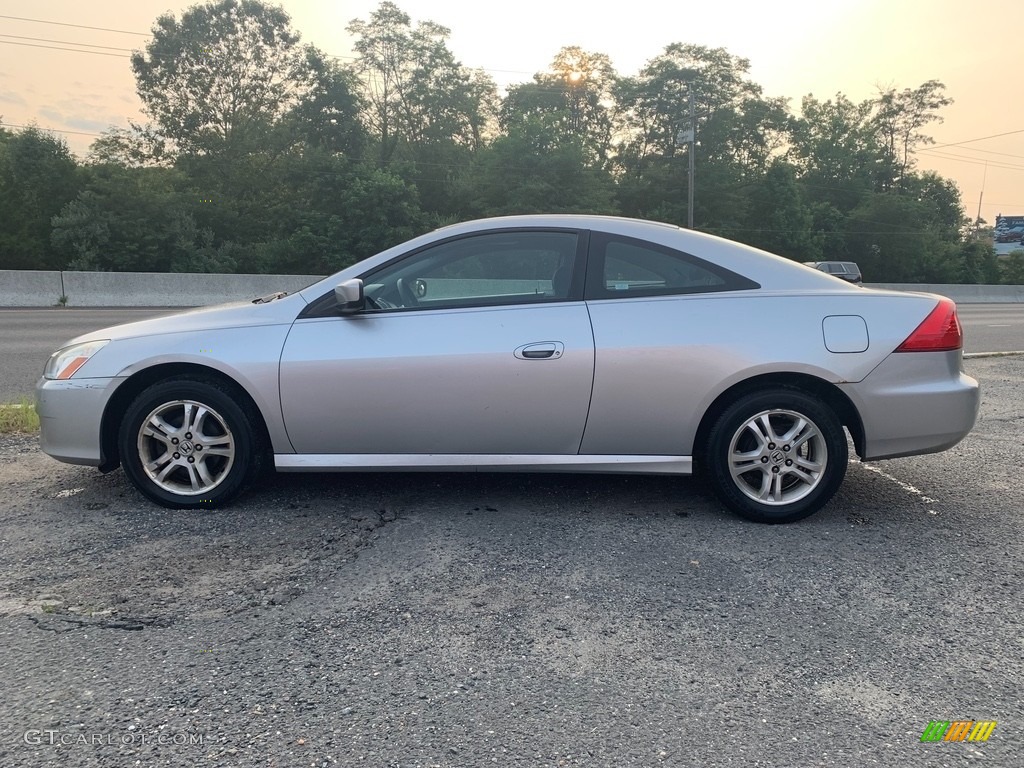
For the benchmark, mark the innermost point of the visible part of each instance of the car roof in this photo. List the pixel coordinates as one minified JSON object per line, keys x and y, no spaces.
{"x":773,"y":272}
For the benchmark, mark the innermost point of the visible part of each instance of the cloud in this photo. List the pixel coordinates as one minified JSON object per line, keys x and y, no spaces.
{"x":51,"y":114}
{"x":88,"y":124}
{"x":10,"y":97}
{"x":81,"y":119}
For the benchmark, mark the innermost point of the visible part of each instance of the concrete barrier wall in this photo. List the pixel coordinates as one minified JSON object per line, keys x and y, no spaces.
{"x":141,"y":289}
{"x":962,"y":294}
{"x":29,"y":288}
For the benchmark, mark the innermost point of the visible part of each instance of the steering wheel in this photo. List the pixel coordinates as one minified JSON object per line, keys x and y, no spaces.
{"x":406,"y":292}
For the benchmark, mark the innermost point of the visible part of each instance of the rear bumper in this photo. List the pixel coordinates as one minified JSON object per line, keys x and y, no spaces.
{"x":914,"y":403}
{"x":70,"y":413}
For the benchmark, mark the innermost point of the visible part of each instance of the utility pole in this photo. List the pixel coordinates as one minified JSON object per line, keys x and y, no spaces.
{"x":977,"y":220}
{"x":689,"y":137}
{"x":693,"y":137}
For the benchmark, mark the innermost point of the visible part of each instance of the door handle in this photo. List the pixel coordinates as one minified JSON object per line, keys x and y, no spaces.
{"x":540,"y":350}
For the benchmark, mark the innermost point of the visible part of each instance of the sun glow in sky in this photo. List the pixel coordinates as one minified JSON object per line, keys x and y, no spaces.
{"x":795,"y":47}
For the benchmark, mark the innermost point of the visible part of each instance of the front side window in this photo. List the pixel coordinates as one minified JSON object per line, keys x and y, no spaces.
{"x":623,"y":267}
{"x":513,"y":267}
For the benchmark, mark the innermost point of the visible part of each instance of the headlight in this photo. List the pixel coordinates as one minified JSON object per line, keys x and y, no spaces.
{"x":64,"y":362}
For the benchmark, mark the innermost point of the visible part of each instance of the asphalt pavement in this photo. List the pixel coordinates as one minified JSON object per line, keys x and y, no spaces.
{"x":414,"y":620}
{"x":28,"y":336}
{"x":992,"y":327}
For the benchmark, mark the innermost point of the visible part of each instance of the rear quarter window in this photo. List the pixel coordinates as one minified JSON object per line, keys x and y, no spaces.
{"x":621,"y":267}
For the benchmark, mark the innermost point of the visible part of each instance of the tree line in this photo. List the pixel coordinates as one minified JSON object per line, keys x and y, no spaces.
{"x":264,"y":154}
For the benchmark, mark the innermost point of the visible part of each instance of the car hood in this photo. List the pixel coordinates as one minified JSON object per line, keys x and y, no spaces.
{"x":237,"y":314}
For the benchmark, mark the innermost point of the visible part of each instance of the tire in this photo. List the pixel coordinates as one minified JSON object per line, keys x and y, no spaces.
{"x":187,"y":443}
{"x":776,"y":456}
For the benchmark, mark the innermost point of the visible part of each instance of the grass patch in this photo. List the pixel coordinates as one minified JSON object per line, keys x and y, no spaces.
{"x":19,"y":417}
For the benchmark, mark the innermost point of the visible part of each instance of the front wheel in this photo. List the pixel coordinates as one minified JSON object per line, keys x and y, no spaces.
{"x":188,"y":443}
{"x":776,"y":456}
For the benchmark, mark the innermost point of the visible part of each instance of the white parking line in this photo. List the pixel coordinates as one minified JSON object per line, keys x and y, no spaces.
{"x":905,"y":486}
{"x":972,"y":355}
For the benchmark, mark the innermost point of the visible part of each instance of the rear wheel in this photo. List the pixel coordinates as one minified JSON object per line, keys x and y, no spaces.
{"x":776,"y":456}
{"x":187,"y":443}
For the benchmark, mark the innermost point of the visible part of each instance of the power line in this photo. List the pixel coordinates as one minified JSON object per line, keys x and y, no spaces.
{"x":972,"y":161}
{"x":147,"y":34}
{"x":66,"y":42}
{"x":73,"y":50}
{"x":980,"y":138}
{"x":989,"y":152}
{"x":49,"y":130}
{"x":78,"y":26}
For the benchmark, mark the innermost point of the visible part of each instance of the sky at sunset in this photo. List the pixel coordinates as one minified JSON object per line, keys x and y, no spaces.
{"x":795,"y":47}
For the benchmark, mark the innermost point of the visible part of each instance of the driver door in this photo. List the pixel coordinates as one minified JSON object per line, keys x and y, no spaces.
{"x":479,"y":345}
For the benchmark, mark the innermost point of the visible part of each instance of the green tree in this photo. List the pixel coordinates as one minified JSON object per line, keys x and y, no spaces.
{"x":135,"y":219}
{"x":338,"y":212}
{"x":426,"y":113}
{"x":943,"y":196}
{"x":654,"y":104}
{"x":327,"y":213}
{"x":216,"y":82}
{"x":328,"y":116}
{"x":894,"y":238}
{"x":133,"y":147}
{"x":574,"y":100}
{"x":778,"y":218}
{"x":830,"y":228}
{"x":738,"y":133}
{"x":898,"y":121}
{"x":38,"y":175}
{"x":245,"y":115}
{"x":529,"y":171}
{"x":978,"y":263}
{"x":415,"y":90}
{"x":835,"y":150}
{"x":1013,"y":268}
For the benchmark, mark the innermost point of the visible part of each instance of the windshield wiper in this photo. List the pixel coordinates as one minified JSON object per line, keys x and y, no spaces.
{"x":270,"y":298}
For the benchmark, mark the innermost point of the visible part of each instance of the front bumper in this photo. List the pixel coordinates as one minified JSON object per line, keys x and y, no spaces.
{"x":914,"y":403}
{"x":70,"y":415}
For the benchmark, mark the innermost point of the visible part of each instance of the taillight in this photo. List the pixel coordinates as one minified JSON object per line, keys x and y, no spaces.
{"x":939,"y":332}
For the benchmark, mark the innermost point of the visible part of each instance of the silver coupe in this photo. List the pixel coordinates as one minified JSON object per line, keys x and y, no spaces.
{"x":526,"y":343}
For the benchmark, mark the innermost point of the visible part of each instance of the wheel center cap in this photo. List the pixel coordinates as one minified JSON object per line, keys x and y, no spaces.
{"x":185,"y":447}
{"x":778,"y":457}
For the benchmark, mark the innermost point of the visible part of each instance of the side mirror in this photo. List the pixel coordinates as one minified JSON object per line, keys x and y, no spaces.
{"x":350,"y":296}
